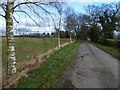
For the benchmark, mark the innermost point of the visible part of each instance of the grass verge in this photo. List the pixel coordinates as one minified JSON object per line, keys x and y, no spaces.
{"x":113,"y":51}
{"x":48,"y":75}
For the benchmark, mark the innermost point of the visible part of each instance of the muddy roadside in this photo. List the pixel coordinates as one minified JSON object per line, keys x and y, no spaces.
{"x":65,"y":81}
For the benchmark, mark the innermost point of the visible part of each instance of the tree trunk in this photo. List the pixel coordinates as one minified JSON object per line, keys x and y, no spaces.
{"x":11,"y":66}
{"x":58,"y":40}
{"x":70,"y":38}
{"x":58,"y":35}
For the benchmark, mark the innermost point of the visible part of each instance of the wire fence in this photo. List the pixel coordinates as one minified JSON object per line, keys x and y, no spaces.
{"x":28,"y":47}
{"x":29,"y":43}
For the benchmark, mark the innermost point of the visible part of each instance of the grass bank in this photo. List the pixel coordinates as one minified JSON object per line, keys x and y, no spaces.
{"x":48,"y":75}
{"x":113,"y":51}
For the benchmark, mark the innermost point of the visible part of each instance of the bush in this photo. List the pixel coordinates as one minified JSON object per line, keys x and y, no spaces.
{"x":112,"y":43}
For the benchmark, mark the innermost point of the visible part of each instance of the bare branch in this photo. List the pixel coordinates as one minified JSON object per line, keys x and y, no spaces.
{"x":3,"y":6}
{"x":30,"y":17}
{"x":47,"y":13}
{"x":27,"y":15}
{"x":43,"y":8}
{"x":34,"y":11}
{"x":15,"y":19}
{"x":24,"y":3}
{"x":2,"y":15}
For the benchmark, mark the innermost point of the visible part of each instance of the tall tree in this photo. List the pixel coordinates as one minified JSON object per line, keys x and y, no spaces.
{"x":59,"y":6}
{"x":94,"y":33}
{"x":107,"y":16}
{"x":69,"y":12}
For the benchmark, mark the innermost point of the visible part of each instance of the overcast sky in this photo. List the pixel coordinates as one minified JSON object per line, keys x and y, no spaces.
{"x":46,"y":23}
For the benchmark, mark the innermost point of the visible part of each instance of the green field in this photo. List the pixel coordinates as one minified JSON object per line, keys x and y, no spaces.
{"x":113,"y":51}
{"x":48,"y":75}
{"x":29,"y":47}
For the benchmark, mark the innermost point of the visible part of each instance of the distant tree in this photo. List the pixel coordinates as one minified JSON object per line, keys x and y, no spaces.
{"x":107,"y":16}
{"x":84,"y":26}
{"x":67,"y":34}
{"x":77,"y":23}
{"x":69,"y":12}
{"x":43,"y":34}
{"x":72,"y":24}
{"x":94,"y":33}
{"x":53,"y":34}
{"x":48,"y":35}
{"x":62,"y":34}
{"x":59,"y":6}
{"x":84,"y":32}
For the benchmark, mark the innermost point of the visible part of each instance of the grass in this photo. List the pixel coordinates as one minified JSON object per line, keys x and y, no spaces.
{"x":29,"y":47}
{"x":113,"y":51}
{"x":48,"y":75}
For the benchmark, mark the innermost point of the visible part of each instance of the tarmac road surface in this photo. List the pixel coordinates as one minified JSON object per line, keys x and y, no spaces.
{"x":92,"y":68}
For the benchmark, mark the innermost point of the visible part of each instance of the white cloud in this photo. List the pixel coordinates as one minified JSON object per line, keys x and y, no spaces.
{"x":29,"y":21}
{"x":45,"y":22}
{"x":43,"y":29}
{"x":46,"y":25}
{"x":34,"y":29}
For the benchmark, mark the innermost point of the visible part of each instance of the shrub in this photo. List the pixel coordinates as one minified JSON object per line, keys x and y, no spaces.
{"x":112,"y":43}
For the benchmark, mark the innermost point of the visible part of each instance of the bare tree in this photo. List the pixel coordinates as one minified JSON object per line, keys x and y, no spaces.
{"x":60,"y":9}
{"x":69,"y":22}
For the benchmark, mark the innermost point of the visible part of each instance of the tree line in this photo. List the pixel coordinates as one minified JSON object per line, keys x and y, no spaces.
{"x":98,"y":24}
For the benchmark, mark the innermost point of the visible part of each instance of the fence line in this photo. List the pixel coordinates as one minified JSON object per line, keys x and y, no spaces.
{"x":35,"y":63}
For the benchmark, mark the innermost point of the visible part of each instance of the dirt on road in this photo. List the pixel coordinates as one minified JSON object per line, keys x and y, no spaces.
{"x":91,"y":68}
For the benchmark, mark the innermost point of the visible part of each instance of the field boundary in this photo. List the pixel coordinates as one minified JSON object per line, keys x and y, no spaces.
{"x":31,"y":66}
